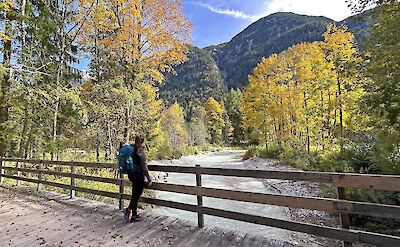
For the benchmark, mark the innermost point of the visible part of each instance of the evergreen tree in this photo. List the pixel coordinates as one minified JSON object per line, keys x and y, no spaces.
{"x":233,"y":105}
{"x":384,"y":66}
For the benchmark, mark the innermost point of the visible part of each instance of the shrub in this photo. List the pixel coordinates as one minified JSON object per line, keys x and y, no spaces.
{"x":272,"y":152}
{"x":250,"y":153}
{"x":165,"y":152}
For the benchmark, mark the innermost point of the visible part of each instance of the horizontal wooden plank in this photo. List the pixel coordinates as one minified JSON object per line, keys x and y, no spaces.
{"x":367,"y":181}
{"x":170,"y":204}
{"x":31,"y":180}
{"x":285,"y":175}
{"x":66,"y":186}
{"x":176,"y":169}
{"x":62,"y":163}
{"x":97,"y":192}
{"x":66,"y":174}
{"x":352,"y":236}
{"x":379,"y":239}
{"x":312,"y":203}
{"x":298,"y":176}
{"x":323,"y":231}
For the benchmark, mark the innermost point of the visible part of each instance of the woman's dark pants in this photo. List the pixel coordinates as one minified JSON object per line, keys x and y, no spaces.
{"x":137,"y":180}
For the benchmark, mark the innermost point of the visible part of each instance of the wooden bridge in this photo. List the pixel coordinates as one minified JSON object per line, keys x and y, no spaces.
{"x":60,"y":225}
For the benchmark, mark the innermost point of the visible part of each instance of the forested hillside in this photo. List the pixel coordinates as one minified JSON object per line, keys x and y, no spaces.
{"x":237,"y":58}
{"x":271,"y":34}
{"x":194,"y":81}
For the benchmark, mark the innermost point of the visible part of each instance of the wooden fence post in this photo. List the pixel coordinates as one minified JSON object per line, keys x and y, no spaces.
{"x":200,"y":216}
{"x":40,"y":177}
{"x":2,"y":170}
{"x":121,"y":191}
{"x":72,"y":191}
{"x":344,"y":218}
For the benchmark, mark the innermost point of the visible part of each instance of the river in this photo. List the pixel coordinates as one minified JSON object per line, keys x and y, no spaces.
{"x":228,"y":159}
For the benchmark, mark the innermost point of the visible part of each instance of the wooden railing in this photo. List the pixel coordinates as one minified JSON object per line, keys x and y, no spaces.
{"x":339,"y":206}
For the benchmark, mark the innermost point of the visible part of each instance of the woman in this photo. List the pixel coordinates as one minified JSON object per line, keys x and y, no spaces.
{"x":137,"y":178}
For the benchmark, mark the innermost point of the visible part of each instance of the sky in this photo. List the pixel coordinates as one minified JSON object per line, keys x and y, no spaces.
{"x":218,"y":21}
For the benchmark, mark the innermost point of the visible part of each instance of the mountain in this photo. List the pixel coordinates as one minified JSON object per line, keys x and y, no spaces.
{"x":212,"y":69}
{"x":359,"y":25}
{"x":194,"y":81}
{"x":272,"y":34}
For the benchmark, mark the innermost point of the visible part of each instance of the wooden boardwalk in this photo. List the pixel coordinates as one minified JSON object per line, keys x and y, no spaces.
{"x":28,"y":218}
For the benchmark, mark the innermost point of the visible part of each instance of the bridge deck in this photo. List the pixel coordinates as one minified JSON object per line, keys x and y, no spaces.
{"x":28,"y":218}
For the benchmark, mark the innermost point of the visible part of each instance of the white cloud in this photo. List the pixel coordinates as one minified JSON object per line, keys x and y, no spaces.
{"x":229,"y":12}
{"x":334,"y":9}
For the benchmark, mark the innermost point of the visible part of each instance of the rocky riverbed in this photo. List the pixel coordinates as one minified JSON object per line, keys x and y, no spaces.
{"x":232,"y":159}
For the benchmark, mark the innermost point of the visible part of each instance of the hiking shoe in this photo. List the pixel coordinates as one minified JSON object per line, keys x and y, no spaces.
{"x":137,"y":218}
{"x":127,"y":214}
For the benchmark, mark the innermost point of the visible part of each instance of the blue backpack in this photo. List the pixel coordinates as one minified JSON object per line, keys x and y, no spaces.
{"x":125,"y":161}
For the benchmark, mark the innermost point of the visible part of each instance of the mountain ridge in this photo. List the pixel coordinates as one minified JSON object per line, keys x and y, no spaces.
{"x":237,"y":58}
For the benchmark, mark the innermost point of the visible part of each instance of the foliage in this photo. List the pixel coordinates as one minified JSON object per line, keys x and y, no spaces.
{"x":233,"y":100}
{"x":271,"y":34}
{"x":306,"y":96}
{"x":198,"y":133}
{"x":250,"y":153}
{"x":173,"y":123}
{"x":384,"y":67}
{"x":214,"y":119}
{"x":194,"y":81}
{"x":51,"y":107}
{"x":213,"y":70}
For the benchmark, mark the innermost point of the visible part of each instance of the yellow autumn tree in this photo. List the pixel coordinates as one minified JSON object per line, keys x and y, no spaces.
{"x":345,"y":89}
{"x":307,"y":95}
{"x":258,"y":97}
{"x":147,"y":36}
{"x":309,"y":74}
{"x":214,"y":120}
{"x":173,"y":122}
{"x":140,"y":39}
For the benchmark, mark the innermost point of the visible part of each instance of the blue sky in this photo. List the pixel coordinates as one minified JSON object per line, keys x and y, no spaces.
{"x":217,"y":21}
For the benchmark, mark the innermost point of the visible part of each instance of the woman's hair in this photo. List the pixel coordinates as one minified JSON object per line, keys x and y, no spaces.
{"x":139,"y":139}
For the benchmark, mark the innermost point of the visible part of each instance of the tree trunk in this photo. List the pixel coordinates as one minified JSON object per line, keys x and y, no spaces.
{"x":323,"y":123}
{"x":329,"y":112}
{"x":127,"y":131}
{"x":55,"y":120}
{"x":307,"y":123}
{"x":23,"y":137}
{"x":97,"y":147}
{"x":27,"y":148}
{"x":110,"y":142}
{"x":5,"y":84}
{"x":340,"y":107}
{"x":61,"y":53}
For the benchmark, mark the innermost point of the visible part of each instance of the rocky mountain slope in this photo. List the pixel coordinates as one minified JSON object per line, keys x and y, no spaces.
{"x":211,"y":70}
